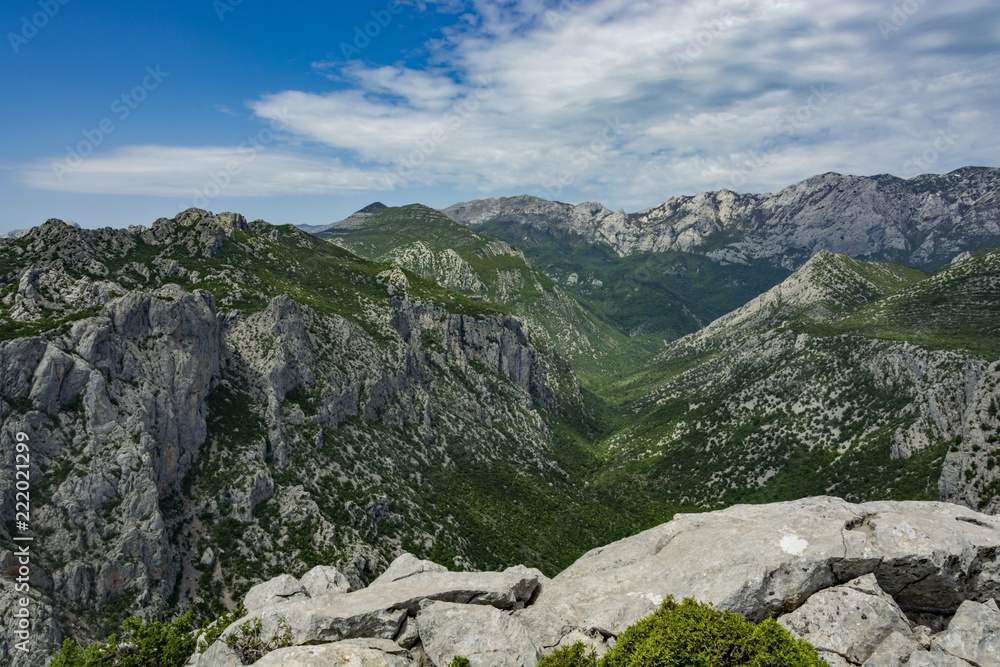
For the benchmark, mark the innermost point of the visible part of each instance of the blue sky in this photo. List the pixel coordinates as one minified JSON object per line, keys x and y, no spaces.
{"x":117,"y":113}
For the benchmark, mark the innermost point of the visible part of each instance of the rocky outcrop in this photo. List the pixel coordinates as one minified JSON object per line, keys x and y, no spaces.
{"x":373,"y":652}
{"x":924,"y":220}
{"x":851,"y":621}
{"x":196,"y":230}
{"x":383,"y":611}
{"x":483,"y":635}
{"x":119,"y":399}
{"x":882,"y":583}
{"x":446,"y":268}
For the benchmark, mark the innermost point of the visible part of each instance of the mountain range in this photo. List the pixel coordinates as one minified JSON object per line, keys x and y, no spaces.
{"x":922,"y":221}
{"x":212,"y":402}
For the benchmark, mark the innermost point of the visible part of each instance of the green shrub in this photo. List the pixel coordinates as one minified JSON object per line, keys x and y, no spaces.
{"x":570,"y":656}
{"x":696,"y":635}
{"x":459,"y":661}
{"x":692,"y":634}
{"x":160,"y":644}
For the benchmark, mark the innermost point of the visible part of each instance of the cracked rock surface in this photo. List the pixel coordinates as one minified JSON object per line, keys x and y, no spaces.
{"x":875,"y":584}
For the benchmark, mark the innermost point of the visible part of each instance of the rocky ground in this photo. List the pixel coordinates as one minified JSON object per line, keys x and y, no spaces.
{"x":905,"y":584}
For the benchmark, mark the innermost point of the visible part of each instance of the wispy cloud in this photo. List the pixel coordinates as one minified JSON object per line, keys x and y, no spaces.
{"x":171,"y":171}
{"x":707,"y":94}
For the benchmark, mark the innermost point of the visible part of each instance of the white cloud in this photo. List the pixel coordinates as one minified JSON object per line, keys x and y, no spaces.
{"x":171,"y":171}
{"x":715,"y":93}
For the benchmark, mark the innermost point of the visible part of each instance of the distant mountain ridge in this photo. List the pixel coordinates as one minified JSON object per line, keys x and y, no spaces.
{"x":922,"y":221}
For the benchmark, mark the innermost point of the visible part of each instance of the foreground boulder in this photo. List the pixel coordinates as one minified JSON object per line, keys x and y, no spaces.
{"x":483,"y":635}
{"x":883,"y":583}
{"x":852,"y":621}
{"x":374,"y":653}
{"x":377,"y":612}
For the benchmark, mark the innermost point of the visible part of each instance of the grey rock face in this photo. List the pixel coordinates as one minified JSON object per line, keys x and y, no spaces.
{"x":923,"y":220}
{"x":311,"y":623}
{"x":324,"y":580}
{"x":43,"y":629}
{"x":934,"y":659}
{"x":406,"y":565}
{"x":851,"y":620}
{"x":922,"y":554}
{"x":973,"y":634}
{"x":337,"y":654}
{"x":408,"y":635}
{"x":284,"y":588}
{"x":484,"y":635}
{"x":139,"y":372}
{"x":378,"y":611}
{"x":894,"y":651}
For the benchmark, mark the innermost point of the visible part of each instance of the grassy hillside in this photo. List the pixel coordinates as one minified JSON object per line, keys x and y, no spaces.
{"x":840,"y":380}
{"x":958,"y":308}
{"x":427,"y":242}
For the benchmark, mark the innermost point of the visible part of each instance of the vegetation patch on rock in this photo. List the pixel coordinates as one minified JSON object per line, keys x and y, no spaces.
{"x":694,"y":634}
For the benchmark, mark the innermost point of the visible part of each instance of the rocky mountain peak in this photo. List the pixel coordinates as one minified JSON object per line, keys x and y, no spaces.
{"x":924,"y":220}
{"x":826,"y":285}
{"x":199,"y":231}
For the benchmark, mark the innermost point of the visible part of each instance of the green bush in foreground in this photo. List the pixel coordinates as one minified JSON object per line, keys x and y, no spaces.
{"x":140,"y":645}
{"x":692,"y":634}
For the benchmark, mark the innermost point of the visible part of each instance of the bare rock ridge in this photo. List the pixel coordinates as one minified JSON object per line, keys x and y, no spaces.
{"x":924,"y":220}
{"x":880,"y":583}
